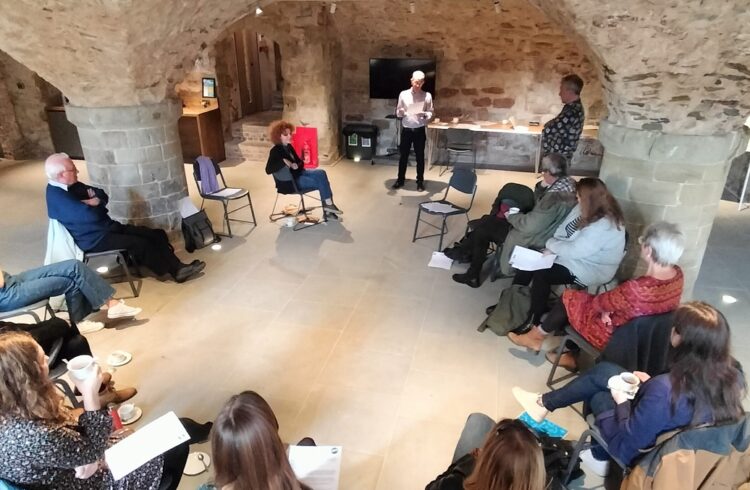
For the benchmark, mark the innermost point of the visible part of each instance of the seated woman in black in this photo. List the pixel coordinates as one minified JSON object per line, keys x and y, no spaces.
{"x":283,"y":153}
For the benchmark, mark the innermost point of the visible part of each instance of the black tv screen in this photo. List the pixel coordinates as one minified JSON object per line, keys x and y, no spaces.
{"x":389,"y":76}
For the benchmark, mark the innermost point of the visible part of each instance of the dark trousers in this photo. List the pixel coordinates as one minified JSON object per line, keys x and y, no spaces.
{"x":148,"y":246}
{"x":409,"y":137}
{"x":48,"y":331}
{"x":556,"y":319}
{"x":490,"y":229}
{"x":541,"y":285}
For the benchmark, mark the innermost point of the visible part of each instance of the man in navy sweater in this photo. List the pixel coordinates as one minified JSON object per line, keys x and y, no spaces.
{"x":82,"y":210}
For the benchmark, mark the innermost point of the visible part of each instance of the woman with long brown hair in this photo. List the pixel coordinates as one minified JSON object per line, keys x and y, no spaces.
{"x":44,"y":445}
{"x":589,"y":245}
{"x":704,"y":385}
{"x":509,"y":459}
{"x":247,"y":450}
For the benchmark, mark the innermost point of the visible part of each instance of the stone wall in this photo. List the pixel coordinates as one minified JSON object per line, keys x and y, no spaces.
{"x":25,"y":132}
{"x":489,"y":66}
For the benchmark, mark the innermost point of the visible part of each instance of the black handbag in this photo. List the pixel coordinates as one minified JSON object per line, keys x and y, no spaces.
{"x":197,"y":231}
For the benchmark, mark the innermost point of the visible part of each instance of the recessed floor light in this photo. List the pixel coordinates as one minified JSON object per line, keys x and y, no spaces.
{"x":727,"y":299}
{"x":102,"y":270}
{"x":216,"y":246}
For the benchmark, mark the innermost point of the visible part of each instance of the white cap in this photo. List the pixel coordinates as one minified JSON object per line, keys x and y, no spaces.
{"x":417,"y":75}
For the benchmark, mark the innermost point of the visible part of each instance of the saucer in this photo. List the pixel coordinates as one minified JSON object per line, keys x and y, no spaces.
{"x":616,"y":383}
{"x":119,"y":358}
{"x":136,"y":416}
{"x":194,"y":466}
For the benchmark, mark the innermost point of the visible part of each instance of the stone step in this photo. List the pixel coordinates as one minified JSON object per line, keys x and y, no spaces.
{"x":247,"y":150}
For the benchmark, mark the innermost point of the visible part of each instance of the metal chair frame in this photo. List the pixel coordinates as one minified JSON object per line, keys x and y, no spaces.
{"x":457,"y":148}
{"x":121,"y":257}
{"x":456,"y":179}
{"x":285,"y":175}
{"x":225,"y":200}
{"x":593,"y":433}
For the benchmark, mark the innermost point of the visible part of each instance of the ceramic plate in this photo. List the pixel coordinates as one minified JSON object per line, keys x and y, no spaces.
{"x":194,"y":465}
{"x":136,"y":416}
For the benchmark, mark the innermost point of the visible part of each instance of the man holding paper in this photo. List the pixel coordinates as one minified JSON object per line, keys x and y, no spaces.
{"x":415,"y":108}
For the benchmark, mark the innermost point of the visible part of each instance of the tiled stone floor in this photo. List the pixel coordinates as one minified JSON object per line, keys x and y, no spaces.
{"x":343,"y":328}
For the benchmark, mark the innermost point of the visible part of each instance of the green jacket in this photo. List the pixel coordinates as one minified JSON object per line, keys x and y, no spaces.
{"x":533,"y":229}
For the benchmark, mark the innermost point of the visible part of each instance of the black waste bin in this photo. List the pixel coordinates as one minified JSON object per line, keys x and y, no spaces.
{"x":361,"y":140}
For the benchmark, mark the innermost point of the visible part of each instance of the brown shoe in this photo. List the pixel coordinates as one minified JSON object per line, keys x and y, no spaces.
{"x":567,"y":360}
{"x":532,"y":340}
{"x":117,"y":396}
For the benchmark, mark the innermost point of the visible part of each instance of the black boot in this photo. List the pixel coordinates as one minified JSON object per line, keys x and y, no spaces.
{"x":468,"y":278}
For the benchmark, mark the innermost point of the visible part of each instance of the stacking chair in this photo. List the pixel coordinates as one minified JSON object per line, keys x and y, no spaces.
{"x":30,"y":311}
{"x":287,"y":186}
{"x":224,"y":195}
{"x":462,"y":180}
{"x":459,"y":142}
{"x":570,"y":336}
{"x":591,"y":433}
{"x":123,"y":259}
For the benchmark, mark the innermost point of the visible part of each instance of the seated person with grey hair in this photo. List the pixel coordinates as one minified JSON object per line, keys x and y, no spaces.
{"x":595,"y":317}
{"x":552,"y":200}
{"x":82,"y":210}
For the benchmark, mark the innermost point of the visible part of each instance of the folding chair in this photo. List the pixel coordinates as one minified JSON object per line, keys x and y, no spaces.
{"x":459,"y":142}
{"x":29,"y":311}
{"x":122,"y":257}
{"x":593,"y":433}
{"x":572,"y":336}
{"x":462,"y":180}
{"x":287,"y":186}
{"x":224,"y":195}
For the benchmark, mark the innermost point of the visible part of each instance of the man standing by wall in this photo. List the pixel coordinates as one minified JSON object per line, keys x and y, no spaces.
{"x":561,"y":134}
{"x":415,"y":108}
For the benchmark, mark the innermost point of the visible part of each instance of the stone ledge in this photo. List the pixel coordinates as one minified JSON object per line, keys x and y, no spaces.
{"x":669,"y":148}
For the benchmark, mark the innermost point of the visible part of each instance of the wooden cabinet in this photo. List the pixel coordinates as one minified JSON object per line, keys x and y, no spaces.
{"x":201,"y":134}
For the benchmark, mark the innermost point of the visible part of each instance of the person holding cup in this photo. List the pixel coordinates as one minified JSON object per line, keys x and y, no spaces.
{"x":44,"y":445}
{"x":704,"y":384}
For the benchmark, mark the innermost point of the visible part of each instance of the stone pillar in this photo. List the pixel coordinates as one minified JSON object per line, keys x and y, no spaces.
{"x":311,"y":63}
{"x":678,"y":178}
{"x":134,"y":154}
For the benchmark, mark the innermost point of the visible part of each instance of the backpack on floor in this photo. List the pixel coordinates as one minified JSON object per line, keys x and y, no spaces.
{"x":557,"y":454}
{"x":511,"y":312}
{"x":197,"y":231}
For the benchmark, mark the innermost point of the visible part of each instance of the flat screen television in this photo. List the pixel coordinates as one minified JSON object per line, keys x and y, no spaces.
{"x":389,"y":76}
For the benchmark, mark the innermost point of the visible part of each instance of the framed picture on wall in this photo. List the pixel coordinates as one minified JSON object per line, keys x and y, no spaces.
{"x":209,"y":88}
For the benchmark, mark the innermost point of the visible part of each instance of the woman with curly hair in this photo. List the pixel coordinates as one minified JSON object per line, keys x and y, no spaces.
{"x":44,"y":444}
{"x":282,"y":154}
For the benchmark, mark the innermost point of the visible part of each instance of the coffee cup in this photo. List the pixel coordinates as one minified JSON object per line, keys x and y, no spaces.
{"x":630,"y":381}
{"x":437,"y":120}
{"x":514,"y":210}
{"x":82,"y":367}
{"x":454,"y":120}
{"x":126,"y":411}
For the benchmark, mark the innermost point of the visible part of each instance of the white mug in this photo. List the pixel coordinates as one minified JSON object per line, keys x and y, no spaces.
{"x":514,"y":210}
{"x":630,"y":380}
{"x":82,"y":367}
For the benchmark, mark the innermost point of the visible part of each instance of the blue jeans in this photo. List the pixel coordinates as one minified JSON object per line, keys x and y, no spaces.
{"x":590,"y":388}
{"x":84,"y":290}
{"x":315,"y":179}
{"x":478,"y":425}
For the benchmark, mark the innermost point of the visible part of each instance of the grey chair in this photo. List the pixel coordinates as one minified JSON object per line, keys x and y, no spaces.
{"x":29,"y":310}
{"x":462,"y":180}
{"x":225,"y":195}
{"x":591,"y":433}
{"x":287,"y":186}
{"x":458,"y":142}
{"x":570,"y":336}
{"x":124,"y":260}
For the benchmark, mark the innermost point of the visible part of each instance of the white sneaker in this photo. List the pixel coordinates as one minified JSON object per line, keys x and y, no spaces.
{"x":87,"y":326}
{"x":597,"y":467}
{"x":528,"y":401}
{"x":121,"y":310}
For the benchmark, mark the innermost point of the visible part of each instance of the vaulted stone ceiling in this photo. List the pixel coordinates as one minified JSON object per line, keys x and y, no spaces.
{"x":680,"y":66}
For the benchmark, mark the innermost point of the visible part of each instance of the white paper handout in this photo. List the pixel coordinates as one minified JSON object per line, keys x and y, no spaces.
{"x":438,"y":207}
{"x":145,"y":444}
{"x":525,"y":259}
{"x":415,"y":108}
{"x":318,"y":467}
{"x":441,"y":261}
{"x":187,"y":208}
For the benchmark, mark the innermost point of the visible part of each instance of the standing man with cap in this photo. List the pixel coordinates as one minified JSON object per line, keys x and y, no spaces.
{"x":415,"y":108}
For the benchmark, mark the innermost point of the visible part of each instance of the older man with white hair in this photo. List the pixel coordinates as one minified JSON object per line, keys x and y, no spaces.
{"x":82,"y":210}
{"x":415,"y":108}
